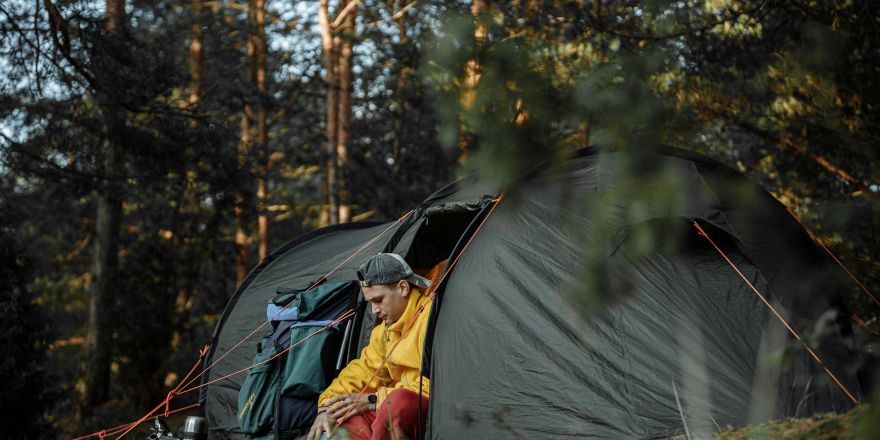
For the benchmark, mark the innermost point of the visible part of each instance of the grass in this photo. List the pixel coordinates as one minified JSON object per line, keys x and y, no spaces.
{"x":861,"y":423}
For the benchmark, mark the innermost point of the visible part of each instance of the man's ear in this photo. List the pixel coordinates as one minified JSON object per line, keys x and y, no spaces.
{"x":403,"y":286}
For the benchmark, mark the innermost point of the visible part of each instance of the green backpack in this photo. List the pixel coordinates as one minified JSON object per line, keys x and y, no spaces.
{"x":279,"y":398}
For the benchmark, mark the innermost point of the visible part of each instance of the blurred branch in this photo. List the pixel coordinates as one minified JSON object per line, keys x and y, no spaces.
{"x":89,"y":81}
{"x":830,"y":167}
{"x":290,"y":103}
{"x":61,"y":170}
{"x":394,"y":16}
{"x":403,"y":10}
{"x":39,"y":86}
{"x":271,"y":16}
{"x":76,"y":340}
{"x":688,"y":29}
{"x":226,"y":5}
{"x":344,"y":12}
{"x":822,"y":161}
{"x":82,"y":244}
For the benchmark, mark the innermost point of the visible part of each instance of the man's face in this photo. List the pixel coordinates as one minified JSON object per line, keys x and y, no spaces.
{"x":388,"y":301}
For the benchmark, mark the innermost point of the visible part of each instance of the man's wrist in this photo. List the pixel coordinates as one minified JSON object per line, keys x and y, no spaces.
{"x":371,"y":399}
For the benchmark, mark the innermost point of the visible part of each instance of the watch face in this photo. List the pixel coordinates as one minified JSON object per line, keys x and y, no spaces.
{"x":371,"y":398}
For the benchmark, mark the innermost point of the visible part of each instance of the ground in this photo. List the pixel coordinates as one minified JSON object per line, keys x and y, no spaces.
{"x":862,"y":423}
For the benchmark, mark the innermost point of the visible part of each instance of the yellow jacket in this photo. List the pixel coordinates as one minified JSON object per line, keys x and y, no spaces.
{"x":401,"y":370}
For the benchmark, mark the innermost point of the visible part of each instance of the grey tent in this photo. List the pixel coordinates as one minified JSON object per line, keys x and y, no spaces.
{"x":680,"y":341}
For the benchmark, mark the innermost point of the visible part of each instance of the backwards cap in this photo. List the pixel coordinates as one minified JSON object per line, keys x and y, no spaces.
{"x":386,"y":268}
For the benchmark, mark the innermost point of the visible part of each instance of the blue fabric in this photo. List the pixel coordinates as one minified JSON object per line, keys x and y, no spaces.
{"x":288,"y":314}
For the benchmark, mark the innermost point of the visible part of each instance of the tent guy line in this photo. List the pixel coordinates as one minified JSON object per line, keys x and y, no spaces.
{"x":855,"y":317}
{"x":444,"y":210}
{"x":176,"y":389}
{"x":348,"y":314}
{"x":172,"y":393}
{"x":431,"y":292}
{"x":324,"y":277}
{"x":840,"y":384}
{"x":862,"y":323}
{"x":402,"y":218}
{"x":104,"y":433}
{"x":499,"y":310}
{"x":834,"y":257}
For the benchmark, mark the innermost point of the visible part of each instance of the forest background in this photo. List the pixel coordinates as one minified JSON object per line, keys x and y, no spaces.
{"x":151,"y":152}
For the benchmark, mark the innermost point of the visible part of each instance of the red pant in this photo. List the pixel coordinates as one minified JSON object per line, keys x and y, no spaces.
{"x":395,"y":419}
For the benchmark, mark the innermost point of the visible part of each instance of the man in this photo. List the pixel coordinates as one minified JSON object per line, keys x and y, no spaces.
{"x":389,"y":406}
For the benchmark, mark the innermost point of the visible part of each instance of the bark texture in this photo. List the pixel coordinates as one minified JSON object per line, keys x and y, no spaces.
{"x":94,"y":387}
{"x":337,"y":40}
{"x":472,"y":74}
{"x":260,"y":58}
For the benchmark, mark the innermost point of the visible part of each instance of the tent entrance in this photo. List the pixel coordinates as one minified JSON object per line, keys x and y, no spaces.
{"x":443,"y":231}
{"x":437,"y":238}
{"x":442,"y":236}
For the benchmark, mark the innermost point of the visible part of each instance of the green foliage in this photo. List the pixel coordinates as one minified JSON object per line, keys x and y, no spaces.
{"x":786,"y":92}
{"x":859,"y":423}
{"x":396,"y":159}
{"x":768,"y":88}
{"x":71,"y":89}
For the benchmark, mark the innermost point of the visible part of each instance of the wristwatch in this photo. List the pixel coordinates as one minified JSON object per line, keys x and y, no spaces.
{"x":372,"y":399}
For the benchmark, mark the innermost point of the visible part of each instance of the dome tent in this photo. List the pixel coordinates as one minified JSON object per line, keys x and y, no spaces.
{"x":681,"y":340}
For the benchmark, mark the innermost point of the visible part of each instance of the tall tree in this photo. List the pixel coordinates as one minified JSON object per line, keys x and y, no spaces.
{"x":197,"y":80}
{"x":111,"y":115}
{"x":472,"y":73}
{"x":257,"y":20}
{"x":108,"y":195}
{"x":337,"y":35}
{"x":395,"y":157}
{"x":253,"y":119}
{"x":345,"y":40}
{"x":330,"y":51}
{"x":403,"y":74}
{"x":186,"y":209}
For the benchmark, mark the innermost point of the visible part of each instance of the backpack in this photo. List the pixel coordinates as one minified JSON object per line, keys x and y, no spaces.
{"x":279,"y":399}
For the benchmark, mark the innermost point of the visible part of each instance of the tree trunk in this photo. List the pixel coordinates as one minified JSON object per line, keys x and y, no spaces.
{"x":195,"y":54}
{"x":344,"y":110}
{"x":258,"y":31}
{"x":472,"y":74}
{"x":243,"y":199}
{"x":96,"y":365}
{"x":330,"y":54}
{"x":195,"y":93}
{"x":115,"y":16}
{"x":402,"y":76}
{"x":256,"y":77}
{"x":95,"y":369}
{"x":186,"y":225}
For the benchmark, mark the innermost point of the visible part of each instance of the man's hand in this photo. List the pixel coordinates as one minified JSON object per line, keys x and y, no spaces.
{"x":335,"y":411}
{"x":323,"y":423}
{"x":345,"y":406}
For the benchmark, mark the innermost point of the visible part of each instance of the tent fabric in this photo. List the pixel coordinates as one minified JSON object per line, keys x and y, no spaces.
{"x":295,"y":265}
{"x":677,"y":338}
{"x":682,"y":339}
{"x":305,"y":260}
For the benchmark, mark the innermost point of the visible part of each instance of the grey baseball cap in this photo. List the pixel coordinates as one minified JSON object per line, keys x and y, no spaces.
{"x":385,"y":268}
